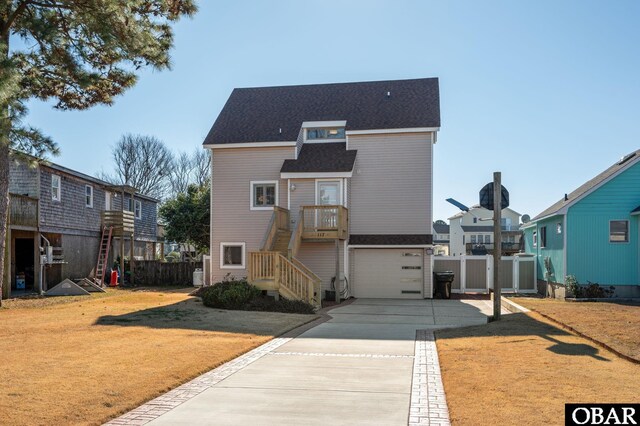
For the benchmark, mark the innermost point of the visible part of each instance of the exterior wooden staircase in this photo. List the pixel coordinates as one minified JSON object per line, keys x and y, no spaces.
{"x":275,"y":268}
{"x":103,"y":254}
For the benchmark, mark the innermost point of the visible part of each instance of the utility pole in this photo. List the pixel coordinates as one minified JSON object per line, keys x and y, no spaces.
{"x":497,"y":237}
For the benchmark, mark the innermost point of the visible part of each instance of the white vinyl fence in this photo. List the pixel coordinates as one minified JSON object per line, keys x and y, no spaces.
{"x":474,"y":274}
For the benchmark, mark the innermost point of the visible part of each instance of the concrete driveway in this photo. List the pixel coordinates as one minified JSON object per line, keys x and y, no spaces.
{"x":356,"y":369}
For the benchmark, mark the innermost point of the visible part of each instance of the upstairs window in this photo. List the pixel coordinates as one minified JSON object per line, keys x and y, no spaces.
{"x":619,"y":231}
{"x":473,"y":239}
{"x":543,"y":236}
{"x":535,"y":239}
{"x":138,"y":209}
{"x":326,"y":133}
{"x":88,"y":196}
{"x":129,"y":205}
{"x":55,"y":188}
{"x":487,"y":239}
{"x":264,"y":195}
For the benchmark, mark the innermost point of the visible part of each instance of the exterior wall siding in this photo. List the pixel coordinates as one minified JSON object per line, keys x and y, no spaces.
{"x":304,"y":195}
{"x":391,"y":185}
{"x":232,"y":220}
{"x":591,"y":257}
{"x":321,"y":259}
{"x":23,"y":179}
{"x":554,"y":248}
{"x":70,"y":213}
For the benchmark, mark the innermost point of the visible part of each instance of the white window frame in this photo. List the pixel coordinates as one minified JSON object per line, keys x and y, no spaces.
{"x":244,"y":255}
{"x":263,"y":182}
{"x":340,"y":190}
{"x":107,"y":200}
{"x":58,"y":194}
{"x":88,"y":195}
{"x":535,"y":239}
{"x":628,"y":232}
{"x":136,"y":210}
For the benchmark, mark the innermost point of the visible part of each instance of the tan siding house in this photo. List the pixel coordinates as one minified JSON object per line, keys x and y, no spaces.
{"x":321,"y":183}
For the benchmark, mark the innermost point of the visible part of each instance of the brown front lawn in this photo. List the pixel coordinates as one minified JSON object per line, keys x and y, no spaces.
{"x":614,"y":324}
{"x":523,"y":369}
{"x":85,"y":360}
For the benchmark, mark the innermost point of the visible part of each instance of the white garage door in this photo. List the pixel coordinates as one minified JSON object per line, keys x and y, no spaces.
{"x":388,"y":273}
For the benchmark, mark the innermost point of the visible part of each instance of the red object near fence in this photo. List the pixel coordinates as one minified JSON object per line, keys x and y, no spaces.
{"x":114,"y":279}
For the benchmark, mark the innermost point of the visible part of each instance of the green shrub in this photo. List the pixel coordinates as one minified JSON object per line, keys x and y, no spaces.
{"x":232,"y":294}
{"x":589,"y":291}
{"x":238,"y":294}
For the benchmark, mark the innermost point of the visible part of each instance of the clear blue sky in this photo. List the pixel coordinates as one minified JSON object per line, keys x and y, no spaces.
{"x":548,"y":92}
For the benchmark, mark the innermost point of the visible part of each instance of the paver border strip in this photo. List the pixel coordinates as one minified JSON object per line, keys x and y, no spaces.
{"x":428,"y":404}
{"x":175,"y":397}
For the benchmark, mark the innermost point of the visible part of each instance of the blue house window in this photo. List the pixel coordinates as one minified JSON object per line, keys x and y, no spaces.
{"x":619,"y":231}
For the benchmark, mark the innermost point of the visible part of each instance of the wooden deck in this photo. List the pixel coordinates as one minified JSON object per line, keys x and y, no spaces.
{"x":121,"y":221}
{"x":324,"y":222}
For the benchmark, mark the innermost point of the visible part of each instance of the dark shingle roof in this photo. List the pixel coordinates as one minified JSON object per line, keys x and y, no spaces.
{"x":258,"y":114}
{"x":589,"y":185}
{"x":321,"y":157}
{"x":440,"y":228}
{"x":390,"y":240}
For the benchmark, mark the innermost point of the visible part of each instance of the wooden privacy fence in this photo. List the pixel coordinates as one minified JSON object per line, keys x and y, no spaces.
{"x":474,"y":274}
{"x":155,"y":273}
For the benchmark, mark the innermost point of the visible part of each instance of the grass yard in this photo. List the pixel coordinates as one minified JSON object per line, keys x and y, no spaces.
{"x":614,"y":324}
{"x":523,"y":369}
{"x":86,"y":360}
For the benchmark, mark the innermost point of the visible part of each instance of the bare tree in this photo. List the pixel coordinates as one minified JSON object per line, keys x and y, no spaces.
{"x":181,"y":174}
{"x":201,"y":166}
{"x":143,"y":162}
{"x":189,"y":170}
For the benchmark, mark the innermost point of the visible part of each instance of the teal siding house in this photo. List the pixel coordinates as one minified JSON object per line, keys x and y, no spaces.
{"x":592,"y":233}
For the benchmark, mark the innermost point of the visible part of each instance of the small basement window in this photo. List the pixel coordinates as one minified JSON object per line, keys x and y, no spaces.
{"x":232,"y":255}
{"x":264,"y":195}
{"x":619,"y":231}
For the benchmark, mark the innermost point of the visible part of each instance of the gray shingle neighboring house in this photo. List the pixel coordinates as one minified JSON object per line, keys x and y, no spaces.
{"x":365,"y":149}
{"x":54,"y":204}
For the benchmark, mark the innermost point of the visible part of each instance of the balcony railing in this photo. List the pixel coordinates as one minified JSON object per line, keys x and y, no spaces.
{"x":324,"y":222}
{"x":23,"y":211}
{"x":506,"y":247}
{"x":121,"y":221}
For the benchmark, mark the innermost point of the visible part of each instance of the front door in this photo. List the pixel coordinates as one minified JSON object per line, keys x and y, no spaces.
{"x":327,"y":194}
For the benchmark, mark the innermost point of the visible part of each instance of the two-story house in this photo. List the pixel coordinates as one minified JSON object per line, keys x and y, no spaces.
{"x":61,"y":214}
{"x":441,"y":238}
{"x":314,"y":182}
{"x":471,"y":232}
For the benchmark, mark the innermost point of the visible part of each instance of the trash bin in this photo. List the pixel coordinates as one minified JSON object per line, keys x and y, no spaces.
{"x":442,"y":284}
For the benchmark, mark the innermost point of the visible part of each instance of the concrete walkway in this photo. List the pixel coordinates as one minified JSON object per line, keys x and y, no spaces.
{"x":357,"y":368}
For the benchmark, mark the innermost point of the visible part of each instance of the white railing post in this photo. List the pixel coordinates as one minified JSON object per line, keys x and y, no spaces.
{"x":489,"y":261}
{"x":463,"y":274}
{"x":516,"y":273}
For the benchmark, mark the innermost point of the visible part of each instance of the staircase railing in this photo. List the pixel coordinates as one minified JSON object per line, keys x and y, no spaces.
{"x":296,"y":238}
{"x":279,"y":221}
{"x":287,"y":276}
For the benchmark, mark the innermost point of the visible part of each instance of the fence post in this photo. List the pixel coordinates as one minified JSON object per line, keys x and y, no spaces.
{"x":489,"y":260}
{"x":516,"y":274}
{"x":463,"y":273}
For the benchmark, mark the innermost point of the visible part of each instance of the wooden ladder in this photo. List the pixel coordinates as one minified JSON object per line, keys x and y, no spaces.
{"x":103,"y":254}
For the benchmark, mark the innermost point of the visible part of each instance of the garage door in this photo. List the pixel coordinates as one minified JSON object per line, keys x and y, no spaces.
{"x":388,"y":273}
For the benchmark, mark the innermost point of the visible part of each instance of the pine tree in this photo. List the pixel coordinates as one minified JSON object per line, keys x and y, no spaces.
{"x":78,"y":53}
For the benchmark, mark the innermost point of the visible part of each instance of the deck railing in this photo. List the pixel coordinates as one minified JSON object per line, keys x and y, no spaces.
{"x":279,"y":221}
{"x":121,"y":221}
{"x":324,"y":222}
{"x":23,"y":211}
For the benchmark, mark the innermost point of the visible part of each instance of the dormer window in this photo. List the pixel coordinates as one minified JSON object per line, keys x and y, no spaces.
{"x":330,"y":133}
